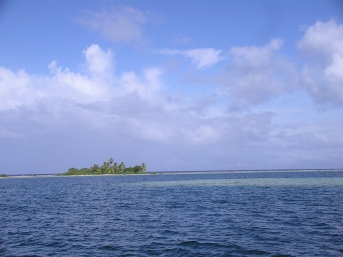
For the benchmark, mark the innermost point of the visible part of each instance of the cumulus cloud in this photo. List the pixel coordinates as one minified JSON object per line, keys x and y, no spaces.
{"x":99,"y":84}
{"x":146,"y":90}
{"x":74,"y":86}
{"x":19,"y":88}
{"x":99,"y":61}
{"x":122,"y":25}
{"x":256,"y":75}
{"x":16,"y":88}
{"x":322,"y":75}
{"x":201,"y":57}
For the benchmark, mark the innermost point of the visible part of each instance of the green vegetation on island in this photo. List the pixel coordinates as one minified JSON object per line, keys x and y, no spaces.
{"x":3,"y":176}
{"x":110,"y":167}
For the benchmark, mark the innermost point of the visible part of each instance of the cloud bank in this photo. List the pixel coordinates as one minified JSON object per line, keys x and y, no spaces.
{"x":137,"y":117}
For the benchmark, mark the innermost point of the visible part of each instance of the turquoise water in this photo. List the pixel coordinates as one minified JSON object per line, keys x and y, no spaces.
{"x":212,"y":214}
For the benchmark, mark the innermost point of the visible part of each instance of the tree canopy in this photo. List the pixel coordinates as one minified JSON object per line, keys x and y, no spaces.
{"x":109,"y":167}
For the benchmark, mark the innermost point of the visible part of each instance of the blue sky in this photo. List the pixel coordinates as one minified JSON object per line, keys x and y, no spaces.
{"x":179,"y":85}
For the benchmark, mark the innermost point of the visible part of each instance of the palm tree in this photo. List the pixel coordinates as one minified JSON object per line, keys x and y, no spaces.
{"x":121,"y":167}
{"x":115,"y":167}
{"x":111,"y":160}
{"x":143,"y":167}
{"x":105,"y":167}
{"x":95,"y":168}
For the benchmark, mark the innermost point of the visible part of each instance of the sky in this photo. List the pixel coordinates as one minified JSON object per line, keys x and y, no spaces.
{"x":178,"y":85}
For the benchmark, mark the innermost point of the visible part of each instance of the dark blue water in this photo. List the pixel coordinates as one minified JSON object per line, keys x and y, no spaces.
{"x":229,"y":214}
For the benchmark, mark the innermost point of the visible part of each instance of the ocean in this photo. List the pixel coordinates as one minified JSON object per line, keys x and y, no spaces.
{"x":261,"y":213}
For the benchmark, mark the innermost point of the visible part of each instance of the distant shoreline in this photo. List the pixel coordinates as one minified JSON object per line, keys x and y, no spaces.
{"x":174,"y":173}
{"x":66,"y":176}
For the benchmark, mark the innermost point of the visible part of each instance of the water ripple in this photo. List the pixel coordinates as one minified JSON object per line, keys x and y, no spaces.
{"x":289,"y":214}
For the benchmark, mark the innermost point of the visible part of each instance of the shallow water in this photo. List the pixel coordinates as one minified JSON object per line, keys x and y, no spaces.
{"x":218,"y":214}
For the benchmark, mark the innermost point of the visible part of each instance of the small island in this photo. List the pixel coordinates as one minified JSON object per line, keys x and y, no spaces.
{"x":109,"y":167}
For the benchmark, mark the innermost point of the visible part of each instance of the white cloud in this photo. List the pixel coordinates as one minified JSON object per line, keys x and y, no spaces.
{"x":201,"y":57}
{"x":204,"y":58}
{"x":99,"y":61}
{"x":74,"y":86}
{"x":16,"y":88}
{"x":321,"y":40}
{"x":124,"y":24}
{"x":256,"y":57}
{"x":257,"y":74}
{"x":322,"y":76}
{"x":100,"y":84}
{"x":147,"y":89}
